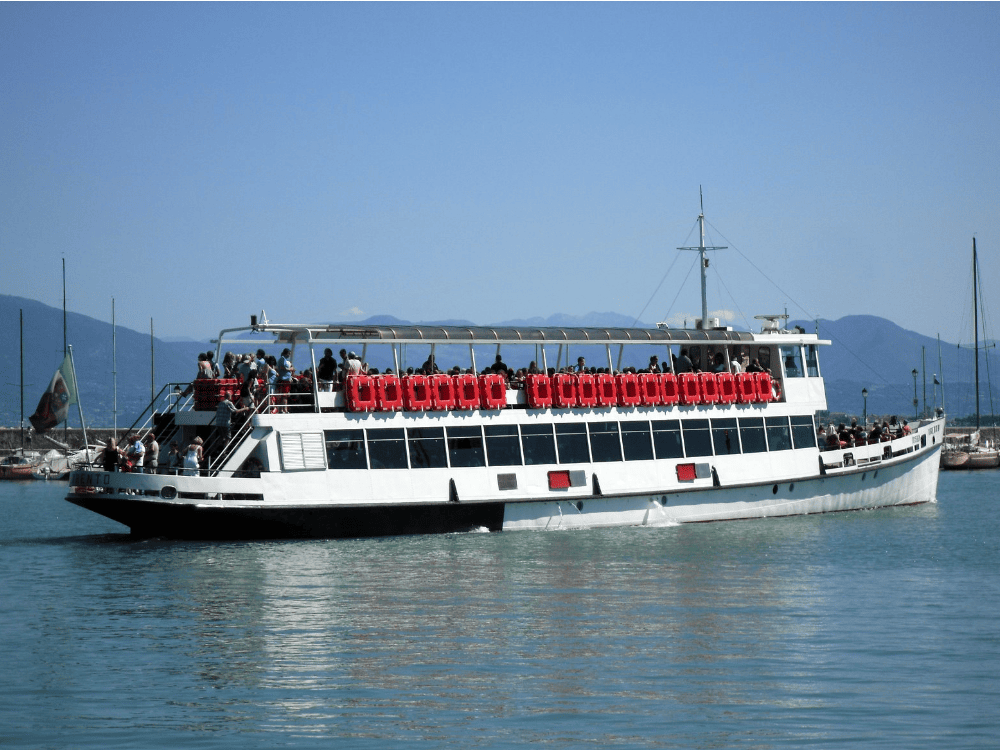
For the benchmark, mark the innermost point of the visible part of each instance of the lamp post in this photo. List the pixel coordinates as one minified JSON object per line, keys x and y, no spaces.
{"x":916,"y":403}
{"x":864,"y":416}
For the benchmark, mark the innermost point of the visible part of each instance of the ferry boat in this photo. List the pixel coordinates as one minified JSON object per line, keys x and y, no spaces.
{"x":401,"y":453}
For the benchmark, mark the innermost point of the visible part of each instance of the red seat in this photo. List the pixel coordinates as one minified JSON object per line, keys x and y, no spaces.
{"x":690,"y":393}
{"x":727,"y":388}
{"x":628,"y":389}
{"x":492,"y":391}
{"x":442,"y":392}
{"x":669,"y":393}
{"x":607,"y":390}
{"x":586,"y":390}
{"x":538,"y":389}
{"x":564,"y":390}
{"x":466,"y":391}
{"x":650,"y":389}
{"x":763,"y":382}
{"x":416,"y":393}
{"x":746,"y":388}
{"x":359,"y":393}
{"x":388,"y":393}
{"x":708,"y":383}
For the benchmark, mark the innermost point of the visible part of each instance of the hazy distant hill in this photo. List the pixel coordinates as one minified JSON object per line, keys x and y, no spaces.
{"x":867,"y":352}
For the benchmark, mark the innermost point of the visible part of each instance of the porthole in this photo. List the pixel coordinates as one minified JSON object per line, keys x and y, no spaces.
{"x":875,"y":474}
{"x":579,"y":505}
{"x":168,"y":492}
{"x":863,"y":476}
{"x":774,"y":490}
{"x":791,"y":486}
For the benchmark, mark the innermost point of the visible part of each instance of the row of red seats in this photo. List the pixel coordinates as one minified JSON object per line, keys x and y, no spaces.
{"x":208,"y":392}
{"x":364,"y":393}
{"x":566,"y":390}
{"x":424,"y":392}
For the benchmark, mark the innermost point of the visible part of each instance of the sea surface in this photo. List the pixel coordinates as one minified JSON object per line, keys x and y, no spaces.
{"x":867,"y":629}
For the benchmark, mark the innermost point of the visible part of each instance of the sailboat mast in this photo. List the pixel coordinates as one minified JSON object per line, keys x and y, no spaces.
{"x":975,"y":319}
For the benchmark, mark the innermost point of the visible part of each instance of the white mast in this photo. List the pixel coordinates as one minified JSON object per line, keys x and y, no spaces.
{"x":703,"y":261}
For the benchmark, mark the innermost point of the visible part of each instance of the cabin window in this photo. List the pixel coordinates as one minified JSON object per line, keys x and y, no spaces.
{"x":465,"y":446}
{"x":637,"y":442}
{"x":791,"y":358}
{"x":502,"y":445}
{"x":538,"y":444}
{"x":697,"y":439}
{"x":604,"y":441}
{"x":779,"y":437}
{"x":725,"y":437}
{"x":345,"y":449}
{"x":667,"y":438}
{"x":803,"y":432}
{"x":812,"y":361}
{"x":427,"y":448}
{"x":571,"y":440}
{"x":752,"y":435}
{"x":387,"y":449}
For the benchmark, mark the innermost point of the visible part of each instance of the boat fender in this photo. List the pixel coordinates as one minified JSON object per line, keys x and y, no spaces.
{"x":776,"y":390}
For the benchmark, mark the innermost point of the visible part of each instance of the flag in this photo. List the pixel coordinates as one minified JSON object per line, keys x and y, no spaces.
{"x":55,"y":403}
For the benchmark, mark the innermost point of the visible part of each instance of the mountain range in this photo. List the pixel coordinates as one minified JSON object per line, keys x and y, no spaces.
{"x":867,"y":352}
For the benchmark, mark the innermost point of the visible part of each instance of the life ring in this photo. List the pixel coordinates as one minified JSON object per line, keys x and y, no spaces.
{"x":775,"y":390}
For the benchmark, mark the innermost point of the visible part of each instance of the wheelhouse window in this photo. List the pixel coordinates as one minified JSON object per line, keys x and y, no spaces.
{"x":538,"y":444}
{"x":345,"y":449}
{"x":637,"y":442}
{"x":752,"y":435}
{"x":697,"y":439}
{"x":571,"y":441}
{"x":803,"y":432}
{"x":604,"y":441}
{"x":427,"y":448}
{"x":791,"y":359}
{"x":667,"y":438}
{"x":725,"y":437}
{"x":387,"y":449}
{"x":503,"y":447}
{"x":779,"y":437}
{"x":812,"y":361}
{"x":465,"y":446}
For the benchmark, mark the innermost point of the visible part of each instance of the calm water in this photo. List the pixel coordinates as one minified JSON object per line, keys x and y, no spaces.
{"x":875,"y":629}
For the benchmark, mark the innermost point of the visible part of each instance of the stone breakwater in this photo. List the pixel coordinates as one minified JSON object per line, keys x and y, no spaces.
{"x":10,"y":438}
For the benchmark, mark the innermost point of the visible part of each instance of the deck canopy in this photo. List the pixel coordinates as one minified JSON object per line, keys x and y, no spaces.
{"x":428,"y":334}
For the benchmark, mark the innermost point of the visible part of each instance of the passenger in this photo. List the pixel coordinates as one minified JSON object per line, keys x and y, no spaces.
{"x":345,"y":366}
{"x":224,"y":413}
{"x":213,"y":365}
{"x":135,"y":453}
{"x":654,"y":364}
{"x":581,"y":364}
{"x":719,"y":363}
{"x":326,"y":370}
{"x":533,"y":368}
{"x":204,"y":366}
{"x":895,"y":427}
{"x":906,"y":427}
{"x":229,"y":363}
{"x":683,"y":362}
{"x":285,"y":369}
{"x":193,"y":457}
{"x":111,"y":456}
{"x":429,"y":367}
{"x":354,"y":366}
{"x":175,"y":461}
{"x":261,"y":360}
{"x":152,"y":454}
{"x":500,"y":367}
{"x":754,"y":367}
{"x":833,"y":442}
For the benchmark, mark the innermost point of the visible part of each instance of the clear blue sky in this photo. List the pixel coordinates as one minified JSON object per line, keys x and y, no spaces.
{"x":200,"y":162}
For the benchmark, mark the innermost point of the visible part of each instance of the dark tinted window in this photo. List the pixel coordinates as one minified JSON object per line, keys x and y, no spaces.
{"x":571,"y":440}
{"x":604,"y":442}
{"x":345,"y":449}
{"x":465,"y":446}
{"x":427,"y":447}
{"x":667,"y":438}
{"x":697,"y":439}
{"x":725,"y":437}
{"x":803,"y":432}
{"x":502,"y":445}
{"x":636,"y":441}
{"x":779,"y":438}
{"x":752,"y":435}
{"x":387,"y":449}
{"x":538,"y":443}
